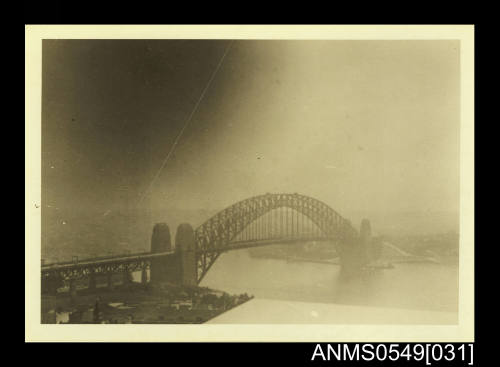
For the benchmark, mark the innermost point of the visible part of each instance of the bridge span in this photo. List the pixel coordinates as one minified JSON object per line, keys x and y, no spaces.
{"x":257,"y":221}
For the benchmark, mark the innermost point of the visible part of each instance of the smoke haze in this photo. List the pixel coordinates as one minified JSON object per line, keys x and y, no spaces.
{"x":368,"y":127}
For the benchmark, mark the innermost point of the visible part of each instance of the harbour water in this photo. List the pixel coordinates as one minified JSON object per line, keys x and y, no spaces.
{"x":417,"y":286}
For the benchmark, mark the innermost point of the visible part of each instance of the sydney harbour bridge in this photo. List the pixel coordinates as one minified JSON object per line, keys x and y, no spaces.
{"x":257,"y":221}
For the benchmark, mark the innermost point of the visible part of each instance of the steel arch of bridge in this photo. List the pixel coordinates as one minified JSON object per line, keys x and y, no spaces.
{"x":215,"y":235}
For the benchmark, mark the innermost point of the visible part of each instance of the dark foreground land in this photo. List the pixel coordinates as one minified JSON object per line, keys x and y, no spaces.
{"x":136,"y":303}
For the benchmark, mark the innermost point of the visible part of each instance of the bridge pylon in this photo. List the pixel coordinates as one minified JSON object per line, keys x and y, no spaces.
{"x":160,"y":242}
{"x":185,"y":246}
{"x":356,"y":252}
{"x":181,"y":267}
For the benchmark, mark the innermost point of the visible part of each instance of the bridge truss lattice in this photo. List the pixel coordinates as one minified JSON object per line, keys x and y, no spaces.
{"x":267,"y":217}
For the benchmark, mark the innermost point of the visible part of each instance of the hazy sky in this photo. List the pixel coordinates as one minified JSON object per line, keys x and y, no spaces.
{"x":360,"y":125}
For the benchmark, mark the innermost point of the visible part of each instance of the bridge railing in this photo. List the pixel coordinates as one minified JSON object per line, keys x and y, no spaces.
{"x":91,"y":258}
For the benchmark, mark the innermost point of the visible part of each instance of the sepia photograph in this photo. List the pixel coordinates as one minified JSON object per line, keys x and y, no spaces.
{"x":234,"y":180}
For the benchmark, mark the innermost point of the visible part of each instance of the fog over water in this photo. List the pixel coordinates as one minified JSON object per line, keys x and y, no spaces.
{"x":422,"y":286}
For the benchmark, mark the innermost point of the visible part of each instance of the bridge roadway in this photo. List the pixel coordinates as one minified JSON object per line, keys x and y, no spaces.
{"x":144,"y":258}
{"x":106,"y":260}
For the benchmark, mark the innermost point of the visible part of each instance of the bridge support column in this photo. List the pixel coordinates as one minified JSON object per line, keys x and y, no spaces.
{"x":92,"y":282}
{"x":160,"y":242}
{"x":185,"y":246}
{"x":127,"y":277}
{"x":110,"y":281}
{"x":144,"y":276}
{"x":72,"y":288}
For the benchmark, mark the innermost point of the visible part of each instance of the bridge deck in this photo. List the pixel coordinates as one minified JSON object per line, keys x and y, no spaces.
{"x":96,"y":261}
{"x":236,"y":245}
